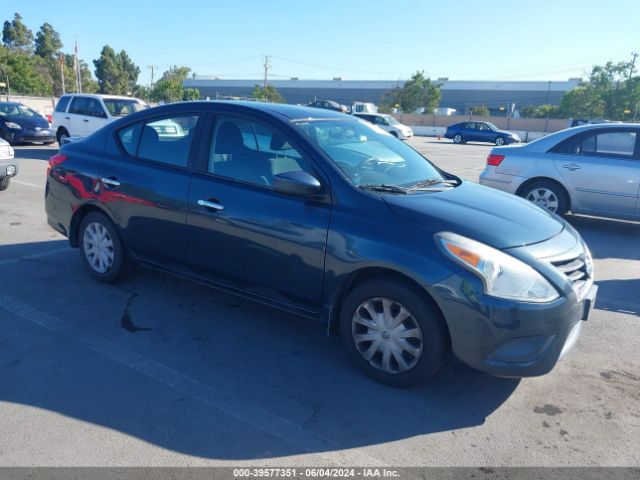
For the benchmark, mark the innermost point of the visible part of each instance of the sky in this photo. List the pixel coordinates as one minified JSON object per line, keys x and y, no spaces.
{"x":352,"y":39}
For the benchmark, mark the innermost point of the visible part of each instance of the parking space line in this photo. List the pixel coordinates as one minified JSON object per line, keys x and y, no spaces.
{"x":34,"y":256}
{"x":285,"y":430}
{"x":27,"y":184}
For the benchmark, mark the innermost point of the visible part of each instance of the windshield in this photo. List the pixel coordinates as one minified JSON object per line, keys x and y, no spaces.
{"x":492,"y":126}
{"x":391,"y":120}
{"x":368,"y":155}
{"x":122,"y":107}
{"x":16,"y":110}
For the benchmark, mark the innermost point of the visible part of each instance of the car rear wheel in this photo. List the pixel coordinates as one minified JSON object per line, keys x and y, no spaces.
{"x":457,"y":138}
{"x":101,"y":249}
{"x":4,"y":183}
{"x":500,"y":141}
{"x":392,"y":333}
{"x":62,"y":133}
{"x":547,"y":195}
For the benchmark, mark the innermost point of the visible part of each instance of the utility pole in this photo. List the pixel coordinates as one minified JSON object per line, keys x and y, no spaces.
{"x":152,"y":68}
{"x":633,"y":64}
{"x":267,"y":66}
{"x":546,"y":123}
{"x":77,"y":69}
{"x":62,"y":72}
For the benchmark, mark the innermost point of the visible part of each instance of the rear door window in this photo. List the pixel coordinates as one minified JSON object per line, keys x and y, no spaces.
{"x":164,"y":140}
{"x":610,"y":144}
{"x":78,"y":106}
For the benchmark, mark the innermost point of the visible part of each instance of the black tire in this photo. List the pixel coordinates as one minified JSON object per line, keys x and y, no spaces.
{"x":431,"y":324}
{"x":4,"y":183}
{"x":48,"y":143}
{"x":121,"y":265}
{"x":62,"y":132}
{"x":457,"y":138}
{"x":539,"y":185}
{"x":499,"y":141}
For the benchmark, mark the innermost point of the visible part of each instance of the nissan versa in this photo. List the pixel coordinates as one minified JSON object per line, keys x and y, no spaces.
{"x":330,"y":217}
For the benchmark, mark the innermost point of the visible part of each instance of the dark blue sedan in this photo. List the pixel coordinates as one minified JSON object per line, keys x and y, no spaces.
{"x":19,"y":123}
{"x":480,"y":132}
{"x":326,"y":216}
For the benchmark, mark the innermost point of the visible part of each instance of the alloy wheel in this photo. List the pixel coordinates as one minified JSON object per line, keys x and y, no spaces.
{"x":98,"y":247}
{"x":544,"y":198}
{"x":387,"y":335}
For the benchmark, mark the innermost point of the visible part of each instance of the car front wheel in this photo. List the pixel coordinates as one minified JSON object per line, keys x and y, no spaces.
{"x":547,"y":195}
{"x":393,"y":333}
{"x":101,"y":249}
{"x":4,"y":183}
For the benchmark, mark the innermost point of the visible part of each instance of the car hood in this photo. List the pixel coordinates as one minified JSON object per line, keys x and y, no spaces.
{"x":29,"y":123}
{"x":504,"y":132}
{"x":481,"y":213}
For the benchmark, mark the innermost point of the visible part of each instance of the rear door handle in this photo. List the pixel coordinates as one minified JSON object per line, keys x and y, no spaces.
{"x":110,"y":182}
{"x":571,"y":166}
{"x":85,"y":120}
{"x":211,"y":205}
{"x":67,"y":118}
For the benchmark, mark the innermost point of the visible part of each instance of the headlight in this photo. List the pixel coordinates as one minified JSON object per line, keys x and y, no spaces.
{"x":13,"y":125}
{"x":502,"y":275}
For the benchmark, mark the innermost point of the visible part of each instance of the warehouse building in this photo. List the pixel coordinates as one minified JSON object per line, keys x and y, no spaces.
{"x":498,"y":96}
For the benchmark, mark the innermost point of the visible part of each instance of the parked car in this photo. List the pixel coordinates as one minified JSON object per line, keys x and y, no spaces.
{"x":8,"y":164}
{"x":388,"y":124}
{"x":324,"y":215}
{"x":81,"y":114}
{"x":591,"y":169}
{"x":464,"y":132}
{"x":328,"y":105}
{"x":363,"y":107}
{"x":21,"y":124}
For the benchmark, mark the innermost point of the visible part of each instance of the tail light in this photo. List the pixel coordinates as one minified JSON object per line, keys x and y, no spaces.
{"x":494,"y":160}
{"x":55,"y":161}
{"x":49,"y":118}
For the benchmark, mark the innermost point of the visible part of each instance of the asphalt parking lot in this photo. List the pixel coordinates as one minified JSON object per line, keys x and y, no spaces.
{"x":158,"y":371}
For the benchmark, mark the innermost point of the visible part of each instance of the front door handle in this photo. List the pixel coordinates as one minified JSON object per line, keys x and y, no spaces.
{"x":210,"y":204}
{"x":110,"y":182}
{"x":85,"y":120}
{"x":571,"y":166}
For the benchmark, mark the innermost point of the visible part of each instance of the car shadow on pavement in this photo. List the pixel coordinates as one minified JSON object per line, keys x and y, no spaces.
{"x":608,"y":238}
{"x":33,"y":153}
{"x":198,"y":371}
{"x":613,"y":295}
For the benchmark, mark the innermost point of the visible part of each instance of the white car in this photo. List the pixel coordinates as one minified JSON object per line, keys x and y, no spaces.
{"x":8,"y":164}
{"x":81,"y":114}
{"x":387,"y":123}
{"x":592,"y":169}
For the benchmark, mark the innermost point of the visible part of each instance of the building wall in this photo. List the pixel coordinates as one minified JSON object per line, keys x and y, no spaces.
{"x":461,"y":95}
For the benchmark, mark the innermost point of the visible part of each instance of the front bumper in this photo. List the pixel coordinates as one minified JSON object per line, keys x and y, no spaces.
{"x":507,"y":338}
{"x":8,"y":167}
{"x":25,"y":135}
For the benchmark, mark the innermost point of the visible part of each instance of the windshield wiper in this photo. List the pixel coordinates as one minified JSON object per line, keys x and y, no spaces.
{"x":432,"y":184}
{"x":384,"y":188}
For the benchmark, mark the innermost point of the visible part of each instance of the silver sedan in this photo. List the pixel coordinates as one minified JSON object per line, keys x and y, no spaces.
{"x":592,"y":169}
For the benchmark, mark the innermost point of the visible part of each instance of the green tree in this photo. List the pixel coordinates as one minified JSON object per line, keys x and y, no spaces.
{"x":48,"y":43}
{"x":116,"y":72}
{"x":268,"y":94}
{"x":417,"y":93}
{"x":480,"y":111}
{"x":169,"y":87}
{"x":24,"y":73}
{"x":582,"y":102}
{"x":540,"y":111}
{"x":16,"y":36}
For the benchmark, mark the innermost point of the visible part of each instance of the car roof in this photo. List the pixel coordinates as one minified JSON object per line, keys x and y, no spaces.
{"x":290,"y":112}
{"x":98,"y":95}
{"x":548,"y":141}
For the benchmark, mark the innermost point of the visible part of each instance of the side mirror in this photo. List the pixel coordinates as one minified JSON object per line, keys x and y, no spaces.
{"x":297,"y":183}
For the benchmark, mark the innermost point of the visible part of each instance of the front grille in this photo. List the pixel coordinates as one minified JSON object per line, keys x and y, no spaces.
{"x":578,"y":270}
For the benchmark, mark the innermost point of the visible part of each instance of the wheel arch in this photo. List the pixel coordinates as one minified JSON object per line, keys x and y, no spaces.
{"x":530,"y":181}
{"x":77,"y":217}
{"x":365,"y":274}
